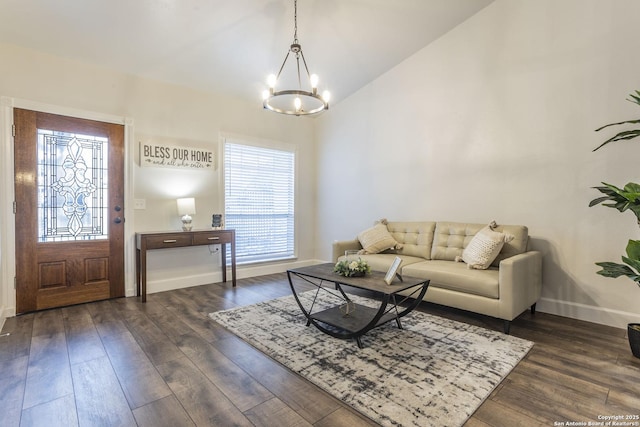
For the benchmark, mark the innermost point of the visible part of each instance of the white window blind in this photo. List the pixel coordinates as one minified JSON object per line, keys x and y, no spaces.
{"x":259,"y":200}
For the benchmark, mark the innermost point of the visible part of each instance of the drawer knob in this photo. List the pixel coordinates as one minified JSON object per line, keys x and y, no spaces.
{"x":213,"y":238}
{"x":169,"y":241}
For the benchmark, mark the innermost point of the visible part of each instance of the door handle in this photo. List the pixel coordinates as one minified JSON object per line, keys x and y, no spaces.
{"x":118,"y":220}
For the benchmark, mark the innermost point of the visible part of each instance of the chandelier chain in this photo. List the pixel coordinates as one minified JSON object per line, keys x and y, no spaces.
{"x":295,"y":21}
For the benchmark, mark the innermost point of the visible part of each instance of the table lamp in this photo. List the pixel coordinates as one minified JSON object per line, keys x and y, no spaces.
{"x":186,"y":208}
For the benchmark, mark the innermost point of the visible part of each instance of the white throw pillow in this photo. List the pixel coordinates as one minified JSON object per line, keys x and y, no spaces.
{"x":376,"y":239}
{"x":484,"y":247}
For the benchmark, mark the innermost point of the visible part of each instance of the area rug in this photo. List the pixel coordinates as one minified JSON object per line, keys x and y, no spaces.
{"x":433,"y":372}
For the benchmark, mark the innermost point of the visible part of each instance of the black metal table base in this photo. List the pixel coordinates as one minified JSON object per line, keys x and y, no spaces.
{"x":347,"y":319}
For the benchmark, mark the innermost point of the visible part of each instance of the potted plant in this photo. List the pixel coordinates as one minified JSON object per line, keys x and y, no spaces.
{"x":352,"y":268}
{"x":623,"y":199}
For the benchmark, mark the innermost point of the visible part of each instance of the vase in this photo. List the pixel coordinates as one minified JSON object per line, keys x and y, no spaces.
{"x":633,"y":332}
{"x":357,"y":274}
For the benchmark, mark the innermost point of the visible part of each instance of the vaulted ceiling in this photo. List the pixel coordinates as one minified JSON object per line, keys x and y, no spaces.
{"x":229,"y":46}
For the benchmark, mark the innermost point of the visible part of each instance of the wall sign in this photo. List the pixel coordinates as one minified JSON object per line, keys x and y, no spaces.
{"x":171,"y":156}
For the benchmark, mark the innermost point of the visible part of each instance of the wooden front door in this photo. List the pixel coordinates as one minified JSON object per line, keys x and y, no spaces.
{"x":69,"y":185}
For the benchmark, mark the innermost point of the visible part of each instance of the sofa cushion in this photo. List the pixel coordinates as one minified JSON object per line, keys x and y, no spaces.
{"x":456,"y":276}
{"x":484,"y":247}
{"x":376,"y":239}
{"x":451,"y":238}
{"x":416,"y":237}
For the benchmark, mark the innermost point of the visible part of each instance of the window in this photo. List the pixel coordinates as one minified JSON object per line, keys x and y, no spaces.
{"x":259,"y":200}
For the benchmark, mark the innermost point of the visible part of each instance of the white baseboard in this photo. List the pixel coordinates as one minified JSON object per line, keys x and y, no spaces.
{"x":242,"y":272}
{"x":588,"y":313}
{"x":4,"y":313}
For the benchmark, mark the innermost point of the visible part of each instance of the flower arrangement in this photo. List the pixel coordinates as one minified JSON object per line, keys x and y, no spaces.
{"x":352,"y":268}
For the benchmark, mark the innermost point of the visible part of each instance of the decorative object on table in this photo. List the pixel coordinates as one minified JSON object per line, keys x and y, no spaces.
{"x":623,"y":199}
{"x":434,"y":372}
{"x":300,"y":101}
{"x":186,"y":208}
{"x":393,"y":271}
{"x":351,"y":254}
{"x":347,"y":308}
{"x":352,"y":268}
{"x":216,"y":221}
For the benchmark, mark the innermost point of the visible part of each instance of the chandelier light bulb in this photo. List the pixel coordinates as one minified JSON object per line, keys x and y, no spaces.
{"x":265,"y":94}
{"x":297,"y":103}
{"x":314,"y":80}
{"x":271,"y":80}
{"x":326,"y":96}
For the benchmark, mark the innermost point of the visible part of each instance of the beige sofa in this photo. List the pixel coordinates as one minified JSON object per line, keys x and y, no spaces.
{"x":511,"y":285}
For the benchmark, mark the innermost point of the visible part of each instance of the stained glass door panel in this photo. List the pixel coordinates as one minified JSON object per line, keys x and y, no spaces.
{"x":72,"y":186}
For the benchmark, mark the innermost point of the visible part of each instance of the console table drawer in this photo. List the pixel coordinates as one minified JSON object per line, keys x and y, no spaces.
{"x":212,"y":238}
{"x":168,"y":241}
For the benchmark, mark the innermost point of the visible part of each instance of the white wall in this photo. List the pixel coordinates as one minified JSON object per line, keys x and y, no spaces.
{"x":164,"y":113}
{"x":495,"y":120}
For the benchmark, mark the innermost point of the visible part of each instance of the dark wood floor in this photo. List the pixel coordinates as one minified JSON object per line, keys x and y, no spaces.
{"x":164,"y":363}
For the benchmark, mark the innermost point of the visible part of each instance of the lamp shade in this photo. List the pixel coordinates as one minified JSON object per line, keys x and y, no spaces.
{"x":186,"y":206}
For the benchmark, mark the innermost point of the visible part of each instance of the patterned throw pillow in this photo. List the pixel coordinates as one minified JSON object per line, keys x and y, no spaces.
{"x":376,"y":239}
{"x":484,"y":247}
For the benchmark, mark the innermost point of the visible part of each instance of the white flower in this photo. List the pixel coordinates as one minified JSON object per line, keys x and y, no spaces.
{"x":353,"y":265}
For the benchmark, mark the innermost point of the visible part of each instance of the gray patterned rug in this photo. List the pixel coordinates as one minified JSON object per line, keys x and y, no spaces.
{"x":434,"y":372}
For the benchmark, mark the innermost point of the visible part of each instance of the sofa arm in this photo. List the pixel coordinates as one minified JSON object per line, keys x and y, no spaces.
{"x":344,"y":245}
{"x":520,"y":281}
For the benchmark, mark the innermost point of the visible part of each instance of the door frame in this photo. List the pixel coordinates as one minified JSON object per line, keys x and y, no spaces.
{"x":7,"y":182}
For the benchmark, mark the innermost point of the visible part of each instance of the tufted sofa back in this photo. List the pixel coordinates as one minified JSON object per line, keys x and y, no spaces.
{"x":451,"y":238}
{"x":446,"y":240}
{"x":416,"y":237}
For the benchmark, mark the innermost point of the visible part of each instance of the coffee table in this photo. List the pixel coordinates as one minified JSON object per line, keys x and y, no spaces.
{"x":347,"y":319}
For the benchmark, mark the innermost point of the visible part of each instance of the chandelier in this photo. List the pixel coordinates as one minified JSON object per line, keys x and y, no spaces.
{"x":301,"y":101}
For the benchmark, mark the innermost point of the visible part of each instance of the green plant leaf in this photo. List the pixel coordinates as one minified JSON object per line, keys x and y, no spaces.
{"x":598,"y":201}
{"x":633,"y":263}
{"x":621,"y":199}
{"x":636,"y":99}
{"x":612,"y":269}
{"x":633,"y":249}
{"x":636,"y":210}
{"x":622,"y":136}
{"x":632,"y":188}
{"x":634,"y":121}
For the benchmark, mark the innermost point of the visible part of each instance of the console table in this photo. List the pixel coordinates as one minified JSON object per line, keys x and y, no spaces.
{"x":178,"y":239}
